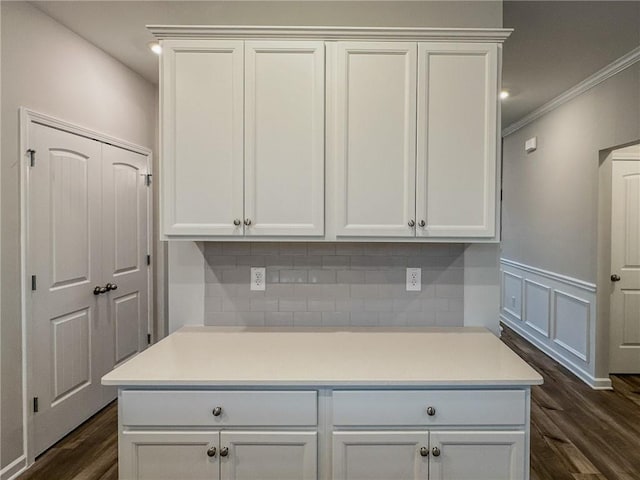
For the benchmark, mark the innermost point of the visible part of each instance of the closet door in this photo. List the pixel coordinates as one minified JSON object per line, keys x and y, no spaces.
{"x":202,"y":137}
{"x":375,"y":129}
{"x":284,"y":138}
{"x":457,"y":138}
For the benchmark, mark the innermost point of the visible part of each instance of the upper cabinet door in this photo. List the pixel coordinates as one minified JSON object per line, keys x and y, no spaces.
{"x":375,"y":129}
{"x":284,"y":138}
{"x":457,"y":138}
{"x":202,"y":137}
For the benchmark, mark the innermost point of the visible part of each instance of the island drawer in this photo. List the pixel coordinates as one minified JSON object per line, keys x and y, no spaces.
{"x":218,"y":408}
{"x":429,"y":407}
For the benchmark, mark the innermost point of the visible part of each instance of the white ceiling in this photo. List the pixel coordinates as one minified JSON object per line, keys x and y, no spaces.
{"x":556,"y":43}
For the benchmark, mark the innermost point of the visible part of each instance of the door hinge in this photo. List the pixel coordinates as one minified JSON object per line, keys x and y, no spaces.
{"x":148,"y":339}
{"x":148,"y":259}
{"x":35,"y":404}
{"x":32,"y":157}
{"x":147,"y":179}
{"x":33,"y":282}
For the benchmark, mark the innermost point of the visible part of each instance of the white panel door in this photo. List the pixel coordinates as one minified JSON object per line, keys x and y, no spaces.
{"x":625,"y":264}
{"x":477,"y":456}
{"x":202,"y":142}
{"x":124,"y":252}
{"x":380,"y":455}
{"x":169,"y":455}
{"x":457,"y":136}
{"x":284,"y":138}
{"x":268,"y":455}
{"x":64,"y":254}
{"x":375,"y":130}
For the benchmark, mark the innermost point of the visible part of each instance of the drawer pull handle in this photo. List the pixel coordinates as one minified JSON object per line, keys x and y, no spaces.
{"x":435,"y":451}
{"x":212,"y":452}
{"x":224,"y":451}
{"x":217,"y":411}
{"x":424,"y":451}
{"x":431,"y":411}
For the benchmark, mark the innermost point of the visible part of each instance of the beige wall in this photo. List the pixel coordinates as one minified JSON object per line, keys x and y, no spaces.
{"x":51,"y":70}
{"x":550,"y":197}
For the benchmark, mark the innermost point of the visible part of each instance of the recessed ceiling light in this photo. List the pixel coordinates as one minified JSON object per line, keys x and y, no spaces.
{"x":155,"y":47}
{"x":504,"y":94}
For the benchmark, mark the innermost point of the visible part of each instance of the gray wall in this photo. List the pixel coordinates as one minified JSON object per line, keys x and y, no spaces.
{"x":334,"y":284}
{"x":50,"y":69}
{"x":550,"y":197}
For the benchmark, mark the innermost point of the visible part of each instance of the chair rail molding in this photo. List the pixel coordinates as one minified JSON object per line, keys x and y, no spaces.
{"x":554,"y":312}
{"x":597,"y":78}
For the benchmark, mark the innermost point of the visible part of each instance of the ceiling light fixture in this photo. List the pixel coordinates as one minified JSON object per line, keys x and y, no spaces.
{"x":504,"y":94}
{"x":155,"y":48}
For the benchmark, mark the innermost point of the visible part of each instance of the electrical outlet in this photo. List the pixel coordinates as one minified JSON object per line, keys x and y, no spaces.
{"x":414,"y":279}
{"x":258,"y":278}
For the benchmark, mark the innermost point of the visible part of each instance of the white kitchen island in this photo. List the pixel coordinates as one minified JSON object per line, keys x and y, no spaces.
{"x":225,"y":403}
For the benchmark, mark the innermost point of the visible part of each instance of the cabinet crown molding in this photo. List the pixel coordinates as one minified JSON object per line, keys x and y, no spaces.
{"x":489,"y":35}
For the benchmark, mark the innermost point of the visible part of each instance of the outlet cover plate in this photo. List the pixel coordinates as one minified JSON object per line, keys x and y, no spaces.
{"x":258,"y":279}
{"x":414,"y":279}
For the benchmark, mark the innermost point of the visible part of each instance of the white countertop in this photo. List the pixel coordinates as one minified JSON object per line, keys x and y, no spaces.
{"x":212,"y":356}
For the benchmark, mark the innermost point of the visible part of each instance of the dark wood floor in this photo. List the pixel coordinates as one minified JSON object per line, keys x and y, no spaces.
{"x":576,"y":433}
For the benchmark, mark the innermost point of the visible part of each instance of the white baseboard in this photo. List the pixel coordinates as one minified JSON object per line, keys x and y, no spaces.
{"x":14,"y":469}
{"x":586,"y":377}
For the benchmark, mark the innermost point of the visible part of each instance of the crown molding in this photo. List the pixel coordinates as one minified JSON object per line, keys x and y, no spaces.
{"x":597,"y":78}
{"x":489,"y":35}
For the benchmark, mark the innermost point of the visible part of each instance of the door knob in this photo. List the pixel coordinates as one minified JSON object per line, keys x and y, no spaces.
{"x":424,"y":451}
{"x":224,"y":451}
{"x":422,"y":223}
{"x":615,"y":277}
{"x":412,"y":223}
{"x":111,"y":286}
{"x":431,"y":411}
{"x":435,"y":451}
{"x":217,"y":411}
{"x":247,"y":221}
{"x":98,"y":290}
{"x":212,"y":452}
{"x":237,"y":222}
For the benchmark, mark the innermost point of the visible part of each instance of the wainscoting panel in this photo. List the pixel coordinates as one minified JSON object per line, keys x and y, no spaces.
{"x":537,"y":301}
{"x":554,"y":312}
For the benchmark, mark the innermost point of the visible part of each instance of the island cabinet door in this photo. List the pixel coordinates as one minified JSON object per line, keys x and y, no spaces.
{"x":375,"y":455}
{"x":477,"y":455}
{"x":167,"y":455}
{"x":252,"y":455}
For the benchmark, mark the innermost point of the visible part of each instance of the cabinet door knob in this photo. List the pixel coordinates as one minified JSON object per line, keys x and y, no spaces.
{"x":98,"y":290}
{"x":212,"y":452}
{"x":422,"y":223}
{"x":424,"y":451}
{"x":247,"y":221}
{"x":111,"y":286}
{"x":615,"y":277}
{"x":435,"y":451}
{"x":412,"y":223}
{"x":431,"y":411}
{"x":217,"y":411}
{"x":224,"y":451}
{"x":237,"y":222}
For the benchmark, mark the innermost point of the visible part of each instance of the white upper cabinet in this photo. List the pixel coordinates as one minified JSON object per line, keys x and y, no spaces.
{"x":202,"y":137}
{"x":457,"y":139}
{"x":375,"y":129}
{"x":284,"y":138}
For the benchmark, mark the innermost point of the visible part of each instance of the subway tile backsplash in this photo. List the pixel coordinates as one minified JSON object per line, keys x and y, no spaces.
{"x":333,"y":284}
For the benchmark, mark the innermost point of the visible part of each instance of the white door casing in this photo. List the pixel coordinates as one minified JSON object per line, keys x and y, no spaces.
{"x":375,"y":455}
{"x":284,"y":138}
{"x":76,"y":209}
{"x":375,"y":138}
{"x":625,"y":262}
{"x":202,"y":137}
{"x":457,"y":102}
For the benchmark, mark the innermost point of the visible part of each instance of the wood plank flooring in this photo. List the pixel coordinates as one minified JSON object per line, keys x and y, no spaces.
{"x":576,"y":433}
